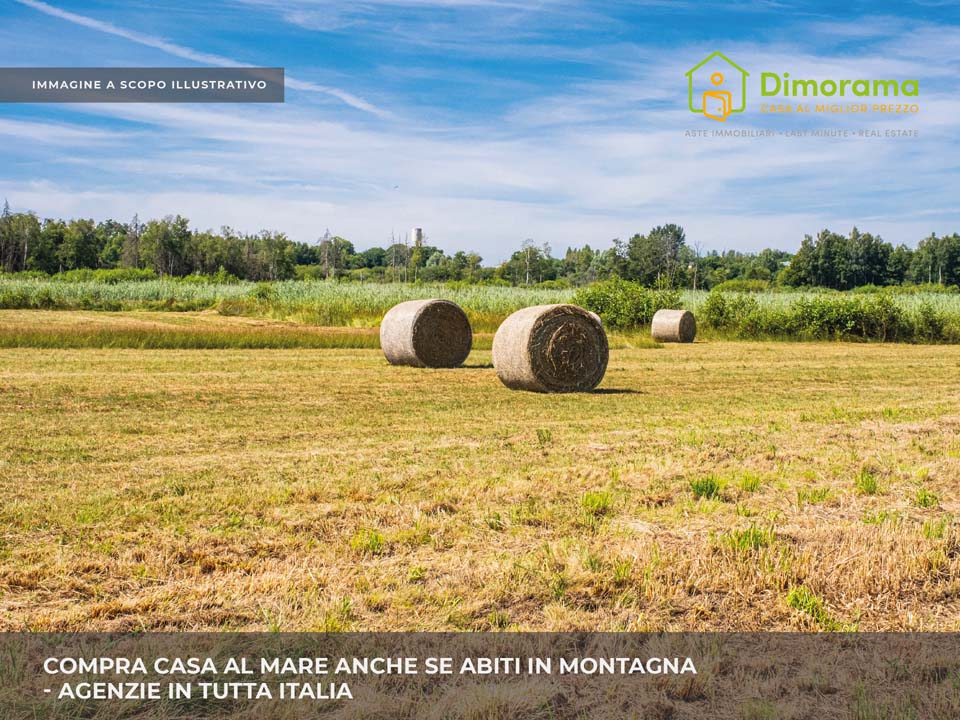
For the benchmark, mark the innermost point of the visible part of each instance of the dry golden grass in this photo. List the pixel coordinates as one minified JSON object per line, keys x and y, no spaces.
{"x":169,"y":330}
{"x":324,"y":490}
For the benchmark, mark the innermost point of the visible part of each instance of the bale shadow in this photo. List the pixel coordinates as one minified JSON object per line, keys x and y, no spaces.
{"x":477,"y":366}
{"x":618,"y":391}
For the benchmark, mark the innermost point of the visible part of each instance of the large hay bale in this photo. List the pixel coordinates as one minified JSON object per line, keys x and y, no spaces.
{"x":426,"y":333}
{"x":674,"y":326}
{"x":551,"y":348}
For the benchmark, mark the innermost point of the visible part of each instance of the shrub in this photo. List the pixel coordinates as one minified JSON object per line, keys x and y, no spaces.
{"x":928,"y":324}
{"x":923,"y":288}
{"x":623,"y":304}
{"x":264,"y":292}
{"x":110,"y":276}
{"x":561,"y":284}
{"x":25,"y":275}
{"x":742,"y":285}
{"x":221,"y":277}
{"x":880,"y":318}
{"x":309,"y":272}
{"x":820,"y":316}
{"x":723,"y":311}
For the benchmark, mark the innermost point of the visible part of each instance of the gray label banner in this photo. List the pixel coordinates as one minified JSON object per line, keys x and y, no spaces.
{"x":142,"y":85}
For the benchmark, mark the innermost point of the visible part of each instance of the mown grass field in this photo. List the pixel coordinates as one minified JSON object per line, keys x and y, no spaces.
{"x":711,"y":486}
{"x":206,"y":330}
{"x":167,"y":330}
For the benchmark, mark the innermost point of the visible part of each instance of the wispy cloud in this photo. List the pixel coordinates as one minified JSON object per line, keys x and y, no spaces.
{"x":565,"y":152}
{"x":471,"y":26}
{"x":196,"y":56}
{"x":61,"y":134}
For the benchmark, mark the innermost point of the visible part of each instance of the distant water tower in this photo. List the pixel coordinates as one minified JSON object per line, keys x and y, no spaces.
{"x":416,"y":235}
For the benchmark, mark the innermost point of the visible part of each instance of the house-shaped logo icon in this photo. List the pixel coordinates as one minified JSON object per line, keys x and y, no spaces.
{"x":717,"y":100}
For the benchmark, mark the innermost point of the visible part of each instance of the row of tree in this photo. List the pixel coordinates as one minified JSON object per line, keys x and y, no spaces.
{"x":662,"y":258}
{"x":834,"y":261}
{"x":167,"y":246}
{"x":659,"y":258}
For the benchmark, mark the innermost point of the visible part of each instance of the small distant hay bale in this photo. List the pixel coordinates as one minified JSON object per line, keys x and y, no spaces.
{"x":426,"y":333}
{"x":551,"y":348}
{"x":674,"y":326}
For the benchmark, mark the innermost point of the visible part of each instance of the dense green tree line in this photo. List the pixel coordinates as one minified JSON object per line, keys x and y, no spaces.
{"x":660,"y":258}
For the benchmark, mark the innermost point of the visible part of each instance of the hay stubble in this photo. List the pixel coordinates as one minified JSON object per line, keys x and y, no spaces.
{"x":226,"y":489}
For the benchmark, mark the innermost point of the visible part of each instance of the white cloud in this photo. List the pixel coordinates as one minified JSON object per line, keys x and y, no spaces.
{"x":197,"y":56}
{"x":493,"y":228}
{"x":583,"y":164}
{"x":59,"y":134}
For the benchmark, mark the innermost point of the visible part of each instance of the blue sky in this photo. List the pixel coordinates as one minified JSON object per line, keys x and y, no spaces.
{"x":488,"y":121}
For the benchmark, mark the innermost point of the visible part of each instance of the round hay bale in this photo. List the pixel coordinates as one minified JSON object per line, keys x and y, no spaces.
{"x":674,"y":326}
{"x":551,"y":348}
{"x":426,"y":333}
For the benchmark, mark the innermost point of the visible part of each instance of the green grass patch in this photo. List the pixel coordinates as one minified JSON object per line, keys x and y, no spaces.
{"x":935,"y":529}
{"x":759,"y":710}
{"x":749,"y":482}
{"x":596,"y":502}
{"x":812,"y":496}
{"x":495,"y":521}
{"x":880,"y":517}
{"x":706,"y":488}
{"x":867,"y":483}
{"x":750,"y":539}
{"x":499,"y":620}
{"x":869,"y":709}
{"x":926,"y":499}
{"x":806,"y":601}
{"x":368,"y":542}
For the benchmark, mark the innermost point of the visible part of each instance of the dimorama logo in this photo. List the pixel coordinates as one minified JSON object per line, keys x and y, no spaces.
{"x":717,"y":87}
